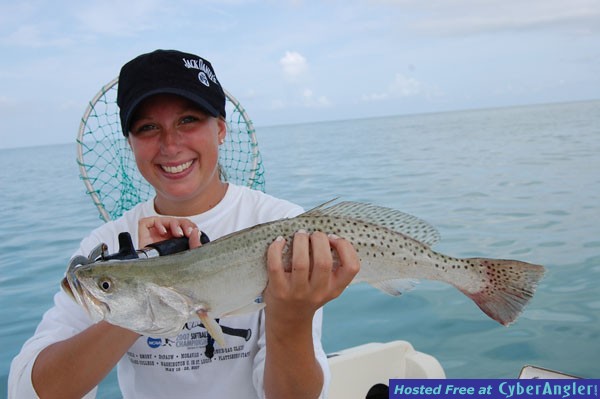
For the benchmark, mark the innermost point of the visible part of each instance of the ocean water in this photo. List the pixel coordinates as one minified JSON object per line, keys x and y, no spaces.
{"x":520,"y":183}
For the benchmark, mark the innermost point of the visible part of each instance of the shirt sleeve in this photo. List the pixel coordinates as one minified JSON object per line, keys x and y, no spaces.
{"x":60,"y":322}
{"x":259,"y":359}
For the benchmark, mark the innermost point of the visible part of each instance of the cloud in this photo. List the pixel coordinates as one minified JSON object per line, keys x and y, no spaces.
{"x":294,"y":65}
{"x":312,"y":101}
{"x":34,"y":36}
{"x":460,"y":17}
{"x":295,"y":71}
{"x":404,"y":86}
{"x":305,"y":98}
{"x":401,"y":86}
{"x":30,"y":25}
{"x":133,"y":16}
{"x":7,"y":103}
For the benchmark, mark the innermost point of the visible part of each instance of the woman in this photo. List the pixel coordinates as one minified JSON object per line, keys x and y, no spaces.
{"x":172,"y":110}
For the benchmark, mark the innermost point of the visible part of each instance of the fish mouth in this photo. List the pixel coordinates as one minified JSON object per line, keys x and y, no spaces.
{"x":64,"y":284}
{"x":73,"y":287}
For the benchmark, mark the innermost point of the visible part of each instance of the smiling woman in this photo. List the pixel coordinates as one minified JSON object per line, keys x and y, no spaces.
{"x":172,"y":110}
{"x":107,"y":165}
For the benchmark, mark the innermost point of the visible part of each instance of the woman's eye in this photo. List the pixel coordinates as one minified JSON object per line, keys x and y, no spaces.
{"x":144,"y":129}
{"x":188,"y":119}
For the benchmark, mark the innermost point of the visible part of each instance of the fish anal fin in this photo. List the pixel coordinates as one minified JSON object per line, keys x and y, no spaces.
{"x":213,"y":328}
{"x":395,"y":287}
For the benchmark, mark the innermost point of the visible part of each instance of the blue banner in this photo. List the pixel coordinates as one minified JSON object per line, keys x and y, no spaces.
{"x":495,"y":389}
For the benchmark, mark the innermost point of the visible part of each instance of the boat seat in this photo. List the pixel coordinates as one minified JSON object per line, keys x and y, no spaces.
{"x":356,"y":370}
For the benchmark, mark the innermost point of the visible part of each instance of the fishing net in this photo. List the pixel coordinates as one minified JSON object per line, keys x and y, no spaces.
{"x":107,"y":166}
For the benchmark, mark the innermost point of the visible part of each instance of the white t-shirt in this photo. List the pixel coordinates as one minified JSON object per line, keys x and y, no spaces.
{"x":182,"y":366}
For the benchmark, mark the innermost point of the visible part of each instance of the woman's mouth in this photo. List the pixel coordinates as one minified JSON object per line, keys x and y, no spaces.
{"x":174,"y":169}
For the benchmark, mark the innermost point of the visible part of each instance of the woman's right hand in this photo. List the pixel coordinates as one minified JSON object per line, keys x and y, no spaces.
{"x":159,"y":228}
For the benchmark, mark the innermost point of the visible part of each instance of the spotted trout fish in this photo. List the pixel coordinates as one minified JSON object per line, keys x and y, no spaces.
{"x":157,"y":296}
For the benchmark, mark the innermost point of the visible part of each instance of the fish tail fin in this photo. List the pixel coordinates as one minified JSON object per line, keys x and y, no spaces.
{"x":508,"y":287}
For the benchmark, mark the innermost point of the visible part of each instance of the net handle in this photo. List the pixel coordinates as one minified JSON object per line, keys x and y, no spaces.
{"x":83,"y":171}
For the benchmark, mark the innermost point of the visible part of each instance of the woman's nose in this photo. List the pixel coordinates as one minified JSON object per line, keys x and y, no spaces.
{"x":170,"y":140}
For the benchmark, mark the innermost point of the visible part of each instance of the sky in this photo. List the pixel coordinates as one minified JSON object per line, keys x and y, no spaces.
{"x":298,"y":61}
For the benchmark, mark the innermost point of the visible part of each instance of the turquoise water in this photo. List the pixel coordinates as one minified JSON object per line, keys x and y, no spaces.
{"x":518,"y":183}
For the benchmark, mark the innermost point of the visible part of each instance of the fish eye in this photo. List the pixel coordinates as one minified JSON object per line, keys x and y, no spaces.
{"x":105,"y":284}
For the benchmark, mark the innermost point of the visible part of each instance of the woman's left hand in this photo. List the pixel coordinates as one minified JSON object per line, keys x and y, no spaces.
{"x":292,"y":297}
{"x":312,"y":281}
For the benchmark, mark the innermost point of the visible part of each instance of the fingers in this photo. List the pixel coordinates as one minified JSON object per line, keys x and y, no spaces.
{"x":349,"y":264}
{"x":311,"y":276}
{"x":194,"y":241}
{"x":322,"y":262}
{"x":154,"y":229}
{"x":275,"y":268}
{"x":300,"y":262}
{"x":167,"y":226}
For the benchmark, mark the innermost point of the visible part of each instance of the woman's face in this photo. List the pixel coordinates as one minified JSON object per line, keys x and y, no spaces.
{"x":176,"y":148}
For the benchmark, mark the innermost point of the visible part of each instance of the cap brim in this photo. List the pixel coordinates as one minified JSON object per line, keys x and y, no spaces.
{"x":199,"y":101}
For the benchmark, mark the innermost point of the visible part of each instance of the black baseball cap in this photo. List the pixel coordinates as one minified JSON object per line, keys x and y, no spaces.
{"x":168,"y":72}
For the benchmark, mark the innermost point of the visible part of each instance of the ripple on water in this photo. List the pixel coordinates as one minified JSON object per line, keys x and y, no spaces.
{"x":593,"y":305}
{"x":549,"y":315}
{"x":551,"y":244}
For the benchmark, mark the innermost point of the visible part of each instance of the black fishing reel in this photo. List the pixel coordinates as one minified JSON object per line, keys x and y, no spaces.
{"x":128,"y":251}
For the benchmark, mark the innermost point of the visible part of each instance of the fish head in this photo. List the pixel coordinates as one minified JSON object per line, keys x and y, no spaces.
{"x":73,"y":287}
{"x":105,"y":295}
{"x":119,"y":294}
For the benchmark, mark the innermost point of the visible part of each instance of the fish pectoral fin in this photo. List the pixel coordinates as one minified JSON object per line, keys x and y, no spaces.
{"x":162,"y":297}
{"x":250,"y":308}
{"x":395,"y":287}
{"x":213,"y":328}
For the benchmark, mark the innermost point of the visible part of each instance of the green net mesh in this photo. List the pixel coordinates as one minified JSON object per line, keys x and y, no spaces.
{"x":108,"y":169}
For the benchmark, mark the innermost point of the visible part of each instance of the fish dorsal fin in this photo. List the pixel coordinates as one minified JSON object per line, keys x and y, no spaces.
{"x":318,"y":210}
{"x":392,"y":219}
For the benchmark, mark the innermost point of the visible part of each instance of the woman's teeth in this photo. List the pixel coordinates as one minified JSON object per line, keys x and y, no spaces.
{"x":178,"y":168}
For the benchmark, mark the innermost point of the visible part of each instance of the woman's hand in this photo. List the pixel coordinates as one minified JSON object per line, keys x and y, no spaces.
{"x":312,"y":281}
{"x":292,"y":298}
{"x":159,"y":228}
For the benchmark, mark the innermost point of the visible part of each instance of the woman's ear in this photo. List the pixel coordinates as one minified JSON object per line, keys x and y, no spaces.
{"x":222,"y":133}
